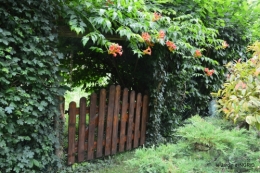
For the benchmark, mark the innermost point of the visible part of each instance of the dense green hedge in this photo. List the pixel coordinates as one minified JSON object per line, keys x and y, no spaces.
{"x":29,"y":86}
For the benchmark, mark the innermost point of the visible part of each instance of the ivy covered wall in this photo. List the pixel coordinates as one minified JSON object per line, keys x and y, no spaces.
{"x":29,"y":86}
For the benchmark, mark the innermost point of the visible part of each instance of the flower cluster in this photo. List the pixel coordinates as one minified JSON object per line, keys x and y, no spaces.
{"x":197,"y":53}
{"x":171,"y":45}
{"x":147,"y":51}
{"x":209,"y":72}
{"x":109,"y":2}
{"x":224,"y":45}
{"x":146,"y":36}
{"x":147,"y":39}
{"x":156,"y":16}
{"x":161,"y":34}
{"x":240,"y":85}
{"x":115,"y":49}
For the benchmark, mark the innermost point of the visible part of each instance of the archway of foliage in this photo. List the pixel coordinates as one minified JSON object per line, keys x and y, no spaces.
{"x":29,"y":86}
{"x":173,"y":49}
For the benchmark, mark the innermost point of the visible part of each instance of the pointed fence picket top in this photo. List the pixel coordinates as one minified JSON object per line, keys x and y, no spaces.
{"x":107,"y":125}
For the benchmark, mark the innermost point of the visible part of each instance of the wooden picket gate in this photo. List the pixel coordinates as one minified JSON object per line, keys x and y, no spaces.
{"x":114,"y":126}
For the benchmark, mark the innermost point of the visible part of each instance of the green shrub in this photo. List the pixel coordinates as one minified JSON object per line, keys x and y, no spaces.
{"x":204,"y":147}
{"x":240,"y":95}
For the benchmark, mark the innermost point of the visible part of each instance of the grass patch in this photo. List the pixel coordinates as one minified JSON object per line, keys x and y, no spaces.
{"x":111,"y":164}
{"x":119,"y":164}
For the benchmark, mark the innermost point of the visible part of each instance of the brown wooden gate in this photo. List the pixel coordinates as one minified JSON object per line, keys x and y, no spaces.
{"x":115,"y":125}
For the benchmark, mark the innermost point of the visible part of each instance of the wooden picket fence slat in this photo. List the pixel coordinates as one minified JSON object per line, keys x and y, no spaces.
{"x":101,"y":120}
{"x":117,"y":124}
{"x":82,"y":127}
{"x":124,"y":117}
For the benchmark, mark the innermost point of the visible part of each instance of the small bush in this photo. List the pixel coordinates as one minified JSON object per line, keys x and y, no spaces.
{"x":204,"y":147}
{"x":240,"y":95}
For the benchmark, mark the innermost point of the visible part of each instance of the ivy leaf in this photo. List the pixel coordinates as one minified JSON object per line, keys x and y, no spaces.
{"x":5,"y":70}
{"x":9,"y":109}
{"x":2,"y":144}
{"x":4,"y":41}
{"x":60,"y":55}
{"x":20,"y":121}
{"x":40,"y":107}
{"x":36,"y":163}
{"x":44,"y":103}
{"x":51,"y":37}
{"x":30,"y":121}
{"x":10,"y":128}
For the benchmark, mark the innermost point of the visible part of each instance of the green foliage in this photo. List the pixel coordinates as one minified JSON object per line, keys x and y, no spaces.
{"x":204,"y":146}
{"x":29,"y":86}
{"x":110,"y":164}
{"x":240,"y":95}
{"x":168,"y":76}
{"x":74,"y":95}
{"x":175,"y":80}
{"x":232,"y":20}
{"x":254,"y":17}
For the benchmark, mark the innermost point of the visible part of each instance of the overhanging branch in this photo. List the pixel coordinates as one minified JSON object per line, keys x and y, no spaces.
{"x":64,"y":31}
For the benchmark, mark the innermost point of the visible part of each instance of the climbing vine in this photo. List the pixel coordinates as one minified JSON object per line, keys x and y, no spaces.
{"x":29,"y":86}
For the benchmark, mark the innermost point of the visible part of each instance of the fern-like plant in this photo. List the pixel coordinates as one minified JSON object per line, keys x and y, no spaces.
{"x":205,"y":142}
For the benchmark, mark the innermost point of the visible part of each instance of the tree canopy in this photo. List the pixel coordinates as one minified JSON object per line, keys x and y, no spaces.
{"x":173,"y":49}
